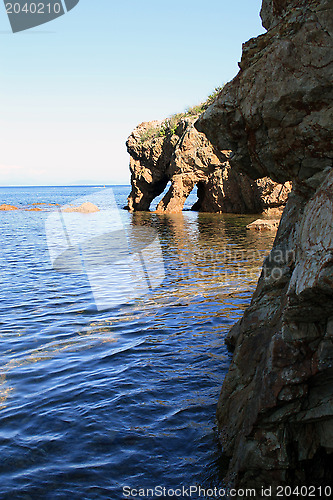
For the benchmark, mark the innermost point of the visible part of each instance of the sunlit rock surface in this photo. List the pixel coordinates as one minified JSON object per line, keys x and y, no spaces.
{"x":187,"y":159}
{"x":84,"y":208}
{"x":264,"y":225}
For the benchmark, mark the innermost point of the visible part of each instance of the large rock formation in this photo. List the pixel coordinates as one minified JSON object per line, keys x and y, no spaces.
{"x":178,"y":153}
{"x":275,"y":411}
{"x":150,"y":155}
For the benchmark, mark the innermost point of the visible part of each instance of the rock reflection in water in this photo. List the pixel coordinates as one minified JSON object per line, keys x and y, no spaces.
{"x":208,"y":252}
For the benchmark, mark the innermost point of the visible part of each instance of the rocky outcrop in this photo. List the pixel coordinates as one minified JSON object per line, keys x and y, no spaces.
{"x":34,"y":207}
{"x":6,"y":207}
{"x":150,"y":155}
{"x":275,"y":411}
{"x":194,"y":160}
{"x":264,"y":225}
{"x":84,"y":208}
{"x":183,"y":156}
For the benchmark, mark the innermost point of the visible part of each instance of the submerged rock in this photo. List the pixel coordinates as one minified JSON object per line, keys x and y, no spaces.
{"x":85,"y":208}
{"x":7,"y":207}
{"x":275,"y":412}
{"x":264,"y":225}
{"x":186,"y":158}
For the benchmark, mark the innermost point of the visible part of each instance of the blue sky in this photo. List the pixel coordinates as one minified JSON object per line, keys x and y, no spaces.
{"x":72,"y":90}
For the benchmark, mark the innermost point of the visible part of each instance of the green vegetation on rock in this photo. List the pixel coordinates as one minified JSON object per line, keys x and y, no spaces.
{"x":169,"y":125}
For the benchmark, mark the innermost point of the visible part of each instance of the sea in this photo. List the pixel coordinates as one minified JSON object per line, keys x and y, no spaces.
{"x":115,"y":401}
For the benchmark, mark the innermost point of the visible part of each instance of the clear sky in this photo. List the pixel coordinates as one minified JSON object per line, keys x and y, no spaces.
{"x":72,"y":90}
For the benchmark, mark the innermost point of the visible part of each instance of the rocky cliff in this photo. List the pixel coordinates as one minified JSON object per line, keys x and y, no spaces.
{"x":275,"y":411}
{"x":174,"y":151}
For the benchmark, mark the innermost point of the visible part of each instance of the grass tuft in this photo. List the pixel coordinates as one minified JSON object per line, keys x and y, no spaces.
{"x":169,"y":125}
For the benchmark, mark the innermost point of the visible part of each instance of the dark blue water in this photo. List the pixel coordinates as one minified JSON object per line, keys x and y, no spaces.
{"x":93,"y":401}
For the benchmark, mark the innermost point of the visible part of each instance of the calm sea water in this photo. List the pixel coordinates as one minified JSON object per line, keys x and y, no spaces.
{"x":93,"y":401}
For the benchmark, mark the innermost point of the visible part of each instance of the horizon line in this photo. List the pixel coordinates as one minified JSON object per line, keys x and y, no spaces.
{"x":62,"y":185}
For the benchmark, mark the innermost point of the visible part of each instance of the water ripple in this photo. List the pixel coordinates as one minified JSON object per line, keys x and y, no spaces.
{"x":91,"y":401}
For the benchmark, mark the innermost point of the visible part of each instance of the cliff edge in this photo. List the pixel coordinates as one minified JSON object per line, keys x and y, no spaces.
{"x":275,"y":412}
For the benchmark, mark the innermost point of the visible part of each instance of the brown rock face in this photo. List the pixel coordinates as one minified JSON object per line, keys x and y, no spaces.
{"x":276,"y":115}
{"x":275,"y":411}
{"x":193,"y":160}
{"x":186,"y":158}
{"x":272,"y":11}
{"x":229,"y":191}
{"x":150,"y":158}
